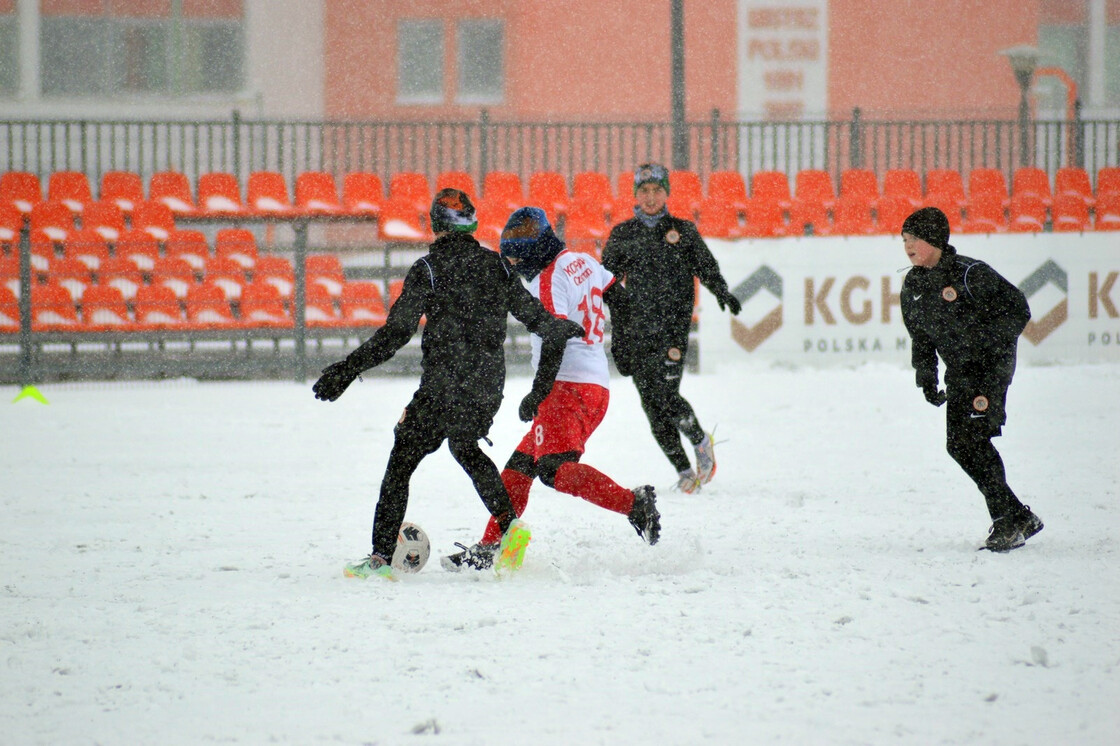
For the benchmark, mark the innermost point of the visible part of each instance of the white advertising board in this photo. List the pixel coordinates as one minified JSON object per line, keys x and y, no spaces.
{"x":828,"y":300}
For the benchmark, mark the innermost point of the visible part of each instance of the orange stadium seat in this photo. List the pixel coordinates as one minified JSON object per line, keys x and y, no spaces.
{"x":174,"y":272}
{"x":859,"y":184}
{"x":718,"y":219}
{"x":276,"y":271}
{"x":1108,"y":181}
{"x":891,"y":212}
{"x":156,"y":307}
{"x":622,"y":207}
{"x":903,"y":182}
{"x":43,"y":250}
{"x":20,"y":189}
{"x":400,"y":220}
{"x":491,"y":220}
{"x":219,"y":194}
{"x":122,"y":188}
{"x":207,"y":308}
{"x":226,"y":274}
{"x":105,"y":217}
{"x":174,"y":190}
{"x":765,"y":219}
{"x":52,"y":218}
{"x":9,"y":310}
{"x":1028,"y":213}
{"x":317,"y":194}
{"x":139,"y":247}
{"x":238,"y":244}
{"x":503,"y":188}
{"x":362,"y":193}
{"x":771,"y":186}
{"x":9,"y":273}
{"x":949,"y":205}
{"x":1069,"y":213}
{"x":1031,"y":181}
{"x":122,"y":274}
{"x":325,"y":270}
{"x":87,"y":246}
{"x":104,"y":309}
{"x":852,"y":216}
{"x":362,"y":304}
{"x":945,"y":186}
{"x":52,"y":309}
{"x":729,"y":187}
{"x":985,"y":214}
{"x":593,"y":188}
{"x":320,"y":310}
{"x":154,"y":218}
{"x":685,"y":192}
{"x":1073,"y":181}
{"x":189,"y":244}
{"x":460,"y":180}
{"x":985,"y":181}
{"x":411,"y":187}
{"x":71,"y":188}
{"x":11,"y":223}
{"x":814,"y":185}
{"x":549,"y":191}
{"x":70,"y":274}
{"x":267,"y":193}
{"x":263,"y":306}
{"x":395,"y":288}
{"x":1108,"y":212}
{"x":809,"y":217}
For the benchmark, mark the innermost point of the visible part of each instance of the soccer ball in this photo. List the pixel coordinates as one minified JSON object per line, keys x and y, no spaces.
{"x":412,"y":550}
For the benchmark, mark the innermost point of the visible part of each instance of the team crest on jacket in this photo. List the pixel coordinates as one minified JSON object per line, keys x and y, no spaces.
{"x":980,"y":403}
{"x":672,"y":236}
{"x":949,"y":293}
{"x":674,"y":354}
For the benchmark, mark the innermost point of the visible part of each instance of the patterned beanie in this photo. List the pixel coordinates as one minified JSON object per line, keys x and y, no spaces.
{"x":452,"y":211}
{"x":651,"y":172}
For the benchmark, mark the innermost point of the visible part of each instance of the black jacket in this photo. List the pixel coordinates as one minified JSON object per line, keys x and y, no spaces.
{"x":965,"y":312}
{"x":466,"y":292}
{"x":658,"y":265}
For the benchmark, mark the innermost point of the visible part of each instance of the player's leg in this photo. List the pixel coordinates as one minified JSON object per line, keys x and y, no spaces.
{"x":658,"y":397}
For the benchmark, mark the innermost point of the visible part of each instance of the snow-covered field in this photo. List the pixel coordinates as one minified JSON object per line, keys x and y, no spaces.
{"x":171,"y":558}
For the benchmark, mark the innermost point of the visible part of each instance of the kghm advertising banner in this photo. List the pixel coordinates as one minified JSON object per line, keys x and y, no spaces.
{"x":821,"y":301}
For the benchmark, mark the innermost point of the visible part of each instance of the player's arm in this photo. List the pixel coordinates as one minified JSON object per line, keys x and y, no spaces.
{"x":399,"y":327}
{"x":706,"y":268}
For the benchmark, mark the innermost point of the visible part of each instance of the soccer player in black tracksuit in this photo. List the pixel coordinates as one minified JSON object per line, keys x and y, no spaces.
{"x":963,"y":311}
{"x":466,"y":291}
{"x":658,"y":255}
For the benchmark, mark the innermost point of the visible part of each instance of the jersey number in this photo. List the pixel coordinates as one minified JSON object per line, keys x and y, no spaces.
{"x":593,"y":318}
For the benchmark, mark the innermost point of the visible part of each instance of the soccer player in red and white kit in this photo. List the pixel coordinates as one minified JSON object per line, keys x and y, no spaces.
{"x":571,"y":286}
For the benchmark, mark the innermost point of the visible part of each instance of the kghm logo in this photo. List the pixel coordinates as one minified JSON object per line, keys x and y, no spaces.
{"x":1040,"y":327}
{"x":750,"y":336}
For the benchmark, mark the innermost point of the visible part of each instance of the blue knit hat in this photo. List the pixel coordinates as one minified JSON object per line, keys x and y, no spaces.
{"x":651,"y":173}
{"x":528,"y":237}
{"x":452,"y":211}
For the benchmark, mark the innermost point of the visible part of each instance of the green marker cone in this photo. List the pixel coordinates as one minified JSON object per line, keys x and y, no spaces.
{"x":30,"y":392}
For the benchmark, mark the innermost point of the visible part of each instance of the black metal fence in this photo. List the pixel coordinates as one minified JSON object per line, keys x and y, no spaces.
{"x":241,"y":146}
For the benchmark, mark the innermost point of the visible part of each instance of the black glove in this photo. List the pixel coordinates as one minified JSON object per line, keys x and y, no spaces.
{"x":620,"y":351}
{"x":729,"y":302}
{"x":336,"y":377}
{"x":530,"y":404}
{"x":927,"y":382}
{"x":570,"y":329}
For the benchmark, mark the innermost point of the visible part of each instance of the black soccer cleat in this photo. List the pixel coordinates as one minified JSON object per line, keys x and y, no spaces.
{"x":1012,"y":531}
{"x":477,"y":557}
{"x":644,"y":516}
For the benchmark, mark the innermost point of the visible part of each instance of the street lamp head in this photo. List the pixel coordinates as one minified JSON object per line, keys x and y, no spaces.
{"x":1023,"y":58}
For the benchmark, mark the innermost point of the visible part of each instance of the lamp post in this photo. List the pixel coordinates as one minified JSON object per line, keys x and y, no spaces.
{"x":1023,"y":59}
{"x":680,"y":130}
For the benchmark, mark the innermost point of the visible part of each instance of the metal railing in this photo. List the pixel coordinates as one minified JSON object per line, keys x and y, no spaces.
{"x":241,"y":146}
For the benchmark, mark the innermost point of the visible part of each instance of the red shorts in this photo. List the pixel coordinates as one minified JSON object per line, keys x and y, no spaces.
{"x":566,"y":419}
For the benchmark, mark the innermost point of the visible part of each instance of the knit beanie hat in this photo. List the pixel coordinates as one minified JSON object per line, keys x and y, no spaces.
{"x":452,"y":211}
{"x":528,"y":237}
{"x":930,"y":225}
{"x":651,"y":172}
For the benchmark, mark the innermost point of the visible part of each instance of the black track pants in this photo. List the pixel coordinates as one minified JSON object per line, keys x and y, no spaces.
{"x":658,"y":380}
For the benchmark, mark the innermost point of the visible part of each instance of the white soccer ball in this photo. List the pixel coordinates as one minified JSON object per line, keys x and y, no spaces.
{"x":412,"y":550}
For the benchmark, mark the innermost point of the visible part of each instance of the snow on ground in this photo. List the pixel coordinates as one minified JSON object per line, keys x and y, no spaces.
{"x":172,"y":553}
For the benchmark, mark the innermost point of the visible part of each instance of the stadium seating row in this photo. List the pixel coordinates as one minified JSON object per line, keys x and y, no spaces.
{"x":584,"y":212}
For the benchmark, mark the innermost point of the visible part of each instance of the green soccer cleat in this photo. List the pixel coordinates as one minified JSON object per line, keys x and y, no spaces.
{"x":511,"y":552}
{"x":371,"y":566}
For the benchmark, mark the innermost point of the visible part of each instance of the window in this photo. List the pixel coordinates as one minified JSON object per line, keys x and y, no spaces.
{"x":420,"y":61}
{"x":1064,"y":47}
{"x":143,"y":49}
{"x":9,"y":54}
{"x":480,"y":46}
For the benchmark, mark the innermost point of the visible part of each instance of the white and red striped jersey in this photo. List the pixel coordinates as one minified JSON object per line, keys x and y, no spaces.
{"x":572,"y":287}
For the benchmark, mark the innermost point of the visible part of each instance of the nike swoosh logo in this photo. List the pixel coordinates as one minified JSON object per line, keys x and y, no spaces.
{"x":977,"y":416}
{"x":917,"y":297}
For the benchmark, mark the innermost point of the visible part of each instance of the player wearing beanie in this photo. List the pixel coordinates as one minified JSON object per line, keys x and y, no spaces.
{"x":658,"y":255}
{"x":466,"y":292}
{"x":565,"y":413}
{"x":963,"y":311}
